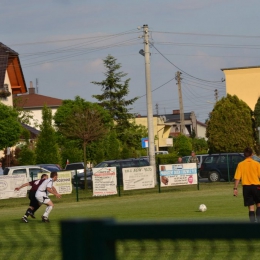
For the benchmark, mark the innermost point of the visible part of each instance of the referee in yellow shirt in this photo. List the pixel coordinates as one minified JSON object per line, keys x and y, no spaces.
{"x":248,"y":171}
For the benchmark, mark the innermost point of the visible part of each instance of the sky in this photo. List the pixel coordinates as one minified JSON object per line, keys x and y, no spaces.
{"x":62,"y":44}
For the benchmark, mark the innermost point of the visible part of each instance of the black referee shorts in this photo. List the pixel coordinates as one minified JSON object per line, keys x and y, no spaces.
{"x":251,"y":194}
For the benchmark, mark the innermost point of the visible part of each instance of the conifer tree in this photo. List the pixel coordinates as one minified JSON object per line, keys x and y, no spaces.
{"x":47,"y":150}
{"x":113,"y":97}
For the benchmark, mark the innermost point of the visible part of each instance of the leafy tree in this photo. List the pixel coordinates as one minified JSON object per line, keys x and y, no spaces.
{"x":257,"y":113}
{"x":10,"y":128}
{"x":229,"y":128}
{"x":257,"y":124}
{"x":70,"y":150}
{"x":113,"y":147}
{"x":26,"y":156}
{"x":11,"y":158}
{"x":182,"y":145}
{"x":199,"y":145}
{"x":131,"y":136}
{"x":24,"y":116}
{"x":47,"y":150}
{"x":83,"y":121}
{"x":113,"y":97}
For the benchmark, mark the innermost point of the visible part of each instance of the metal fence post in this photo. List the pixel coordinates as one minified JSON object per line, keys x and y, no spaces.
{"x":87,"y":239}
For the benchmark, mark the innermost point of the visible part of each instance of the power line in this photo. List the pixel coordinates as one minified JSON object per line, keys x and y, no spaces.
{"x":210,"y":34}
{"x":75,"y":39}
{"x":183,"y":70}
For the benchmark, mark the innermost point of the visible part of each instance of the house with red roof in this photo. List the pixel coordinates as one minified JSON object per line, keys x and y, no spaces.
{"x":11,"y":75}
{"x":35,"y":102}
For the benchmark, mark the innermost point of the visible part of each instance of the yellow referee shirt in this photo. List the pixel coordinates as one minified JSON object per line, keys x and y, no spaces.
{"x":248,"y":171}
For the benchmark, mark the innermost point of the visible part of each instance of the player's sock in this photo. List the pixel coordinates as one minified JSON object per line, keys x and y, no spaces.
{"x":252,"y":216}
{"x":28,"y":212}
{"x":258,"y":214}
{"x":47,"y":211}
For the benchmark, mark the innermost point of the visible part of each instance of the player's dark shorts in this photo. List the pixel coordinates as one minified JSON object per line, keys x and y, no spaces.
{"x":251,"y":194}
{"x":33,"y":201}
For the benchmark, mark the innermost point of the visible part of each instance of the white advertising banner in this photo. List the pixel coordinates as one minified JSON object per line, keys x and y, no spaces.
{"x":63,"y":184}
{"x":138,"y":178}
{"x":104,"y":181}
{"x":178,"y":174}
{"x":9,"y":182}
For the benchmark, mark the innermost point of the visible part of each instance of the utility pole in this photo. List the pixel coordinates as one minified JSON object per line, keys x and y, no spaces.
{"x":157,"y":109}
{"x":216,"y":95}
{"x":149,"y":99}
{"x":178,"y":79}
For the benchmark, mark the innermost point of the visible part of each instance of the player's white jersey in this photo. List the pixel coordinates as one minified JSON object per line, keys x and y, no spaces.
{"x":46,"y":184}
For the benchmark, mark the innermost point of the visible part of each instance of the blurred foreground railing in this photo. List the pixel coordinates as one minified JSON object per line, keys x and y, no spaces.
{"x":106,"y":239}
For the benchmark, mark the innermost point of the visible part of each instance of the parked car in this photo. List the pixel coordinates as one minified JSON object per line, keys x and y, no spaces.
{"x":78,"y":168}
{"x":161,"y":152}
{"x":119,"y":164}
{"x":50,"y":167}
{"x":220,"y":166}
{"x":31,"y":171}
{"x":256,"y":158}
{"x":200,"y":157}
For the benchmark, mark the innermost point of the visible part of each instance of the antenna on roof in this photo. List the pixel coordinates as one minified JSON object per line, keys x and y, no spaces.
{"x":37,"y":90}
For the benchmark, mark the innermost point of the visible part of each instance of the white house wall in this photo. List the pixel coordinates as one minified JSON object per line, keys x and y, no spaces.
{"x":201,"y":131}
{"x":37,"y":117}
{"x":9,"y":100}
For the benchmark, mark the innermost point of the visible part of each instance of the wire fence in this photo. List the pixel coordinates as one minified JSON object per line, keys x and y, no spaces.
{"x":106,"y":239}
{"x":34,"y":241}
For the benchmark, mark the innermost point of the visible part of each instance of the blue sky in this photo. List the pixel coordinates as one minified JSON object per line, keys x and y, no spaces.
{"x":62,"y":43}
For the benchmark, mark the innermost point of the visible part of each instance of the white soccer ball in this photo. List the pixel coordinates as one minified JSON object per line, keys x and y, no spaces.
{"x":202,"y":207}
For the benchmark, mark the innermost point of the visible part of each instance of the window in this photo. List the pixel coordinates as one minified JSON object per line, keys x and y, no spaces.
{"x":74,"y":166}
{"x":141,"y":163}
{"x":222,"y":159}
{"x":19,"y":171}
{"x":34,"y":172}
{"x":115,"y":164}
{"x":128,"y":164}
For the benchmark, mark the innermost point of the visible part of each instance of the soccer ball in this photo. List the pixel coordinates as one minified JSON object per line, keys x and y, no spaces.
{"x":202,"y":207}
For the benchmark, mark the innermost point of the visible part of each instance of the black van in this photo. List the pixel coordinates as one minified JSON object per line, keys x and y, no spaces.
{"x":220,"y":166}
{"x":119,"y":164}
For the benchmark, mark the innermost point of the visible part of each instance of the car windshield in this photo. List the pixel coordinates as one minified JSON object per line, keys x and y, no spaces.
{"x":51,"y":168}
{"x":102,"y":165}
{"x":256,"y":158}
{"x":74,"y":166}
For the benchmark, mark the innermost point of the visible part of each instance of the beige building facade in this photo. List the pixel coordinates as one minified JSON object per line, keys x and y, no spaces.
{"x":244,"y":82}
{"x":161,"y":130}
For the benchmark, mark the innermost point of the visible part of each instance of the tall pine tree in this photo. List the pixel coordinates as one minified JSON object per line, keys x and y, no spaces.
{"x":113,"y":97}
{"x":47,"y":150}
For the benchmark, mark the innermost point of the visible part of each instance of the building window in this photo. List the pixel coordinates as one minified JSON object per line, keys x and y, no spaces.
{"x":4,"y":92}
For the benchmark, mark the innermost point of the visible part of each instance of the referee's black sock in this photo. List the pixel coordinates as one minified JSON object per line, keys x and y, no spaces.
{"x":252,"y":216}
{"x":258,"y":214}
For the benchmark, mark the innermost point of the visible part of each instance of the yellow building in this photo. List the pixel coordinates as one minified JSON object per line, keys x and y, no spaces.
{"x":161,"y":130}
{"x":244,"y":82}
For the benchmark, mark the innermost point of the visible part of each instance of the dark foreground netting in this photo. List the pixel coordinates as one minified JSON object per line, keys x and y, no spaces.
{"x":106,"y":239}
{"x":34,"y":240}
{"x":187,"y":249}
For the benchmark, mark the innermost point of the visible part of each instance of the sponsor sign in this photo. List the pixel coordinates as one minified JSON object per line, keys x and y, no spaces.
{"x":104,"y":181}
{"x":63,"y":184}
{"x":178,"y":174}
{"x":138,"y":178}
{"x":9,"y":182}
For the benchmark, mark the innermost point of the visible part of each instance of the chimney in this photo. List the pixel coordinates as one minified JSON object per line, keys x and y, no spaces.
{"x":31,"y":88}
{"x":176,"y":112}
